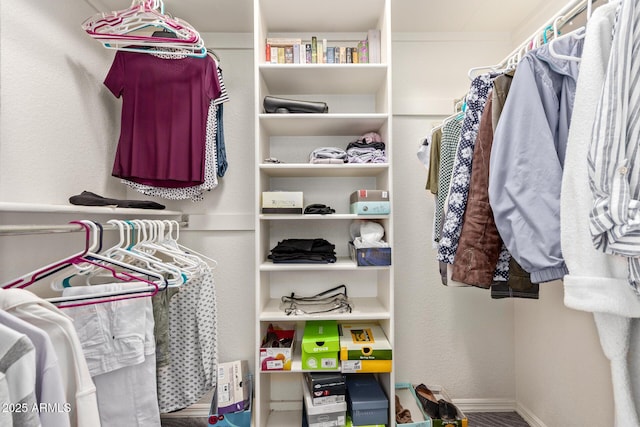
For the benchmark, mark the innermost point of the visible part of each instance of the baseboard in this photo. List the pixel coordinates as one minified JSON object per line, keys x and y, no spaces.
{"x":529,"y":416}
{"x":485,"y":405}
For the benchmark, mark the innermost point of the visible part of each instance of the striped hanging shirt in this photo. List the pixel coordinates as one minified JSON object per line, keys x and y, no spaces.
{"x":614,"y":161}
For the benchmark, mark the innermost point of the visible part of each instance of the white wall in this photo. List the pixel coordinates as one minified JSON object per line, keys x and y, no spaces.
{"x":455,"y":337}
{"x":57,"y":138}
{"x":53,"y":107}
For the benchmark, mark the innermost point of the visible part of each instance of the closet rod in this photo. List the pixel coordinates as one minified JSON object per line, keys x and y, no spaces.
{"x":13,"y":230}
{"x":569,"y":12}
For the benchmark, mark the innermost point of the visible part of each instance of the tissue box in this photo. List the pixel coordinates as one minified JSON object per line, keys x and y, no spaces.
{"x":233,"y":387}
{"x":370,"y":202}
{"x":320,"y":345}
{"x":282,"y":202}
{"x":370,"y":256}
{"x":277,"y":358}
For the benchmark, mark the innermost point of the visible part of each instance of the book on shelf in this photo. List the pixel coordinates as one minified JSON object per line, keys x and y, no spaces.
{"x":343,"y":55}
{"x":274,"y":54}
{"x":363,"y":52}
{"x":330,"y":55}
{"x":349,"y":56}
{"x":314,"y":50}
{"x":267,"y":53}
{"x":283,"y":41}
{"x":288,"y":54}
{"x":355,"y":58}
{"x":324,"y":52}
{"x":303,"y":53}
{"x":280,"y":55}
{"x":373,"y":39}
{"x":296,"y":53}
{"x":308,"y":54}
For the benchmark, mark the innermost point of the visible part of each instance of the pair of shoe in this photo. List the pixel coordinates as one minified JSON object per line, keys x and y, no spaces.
{"x":437,"y":409}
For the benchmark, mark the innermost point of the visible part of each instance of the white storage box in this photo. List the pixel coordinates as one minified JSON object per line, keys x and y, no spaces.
{"x":328,"y":415}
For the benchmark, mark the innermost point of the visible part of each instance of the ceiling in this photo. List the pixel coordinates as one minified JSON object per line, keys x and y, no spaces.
{"x":406,"y":15}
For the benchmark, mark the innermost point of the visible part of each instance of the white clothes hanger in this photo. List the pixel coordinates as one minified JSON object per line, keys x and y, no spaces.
{"x":162,"y":244}
{"x":174,"y":277}
{"x":173,"y":238}
{"x":128,"y":30}
{"x":577,"y":34}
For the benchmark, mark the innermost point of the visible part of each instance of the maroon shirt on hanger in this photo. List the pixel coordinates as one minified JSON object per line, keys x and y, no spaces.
{"x":164,"y":114}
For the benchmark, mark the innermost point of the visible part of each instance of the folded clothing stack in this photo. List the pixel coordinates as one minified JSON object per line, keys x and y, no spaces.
{"x":328,"y":155}
{"x":369,"y":148}
{"x":312,"y":251}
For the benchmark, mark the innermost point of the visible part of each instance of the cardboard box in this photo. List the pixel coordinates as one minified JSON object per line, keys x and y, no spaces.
{"x":329,"y":415}
{"x":232,"y":419}
{"x":366,"y":400}
{"x":370,"y":202}
{"x":364,"y":341}
{"x":350,"y":423}
{"x":440,"y":393}
{"x":326,"y":387}
{"x":361,"y":366}
{"x":407,"y":396}
{"x":234,"y":387}
{"x":282,"y":202}
{"x":320,"y":345}
{"x":370,"y":256}
{"x":277,"y":356}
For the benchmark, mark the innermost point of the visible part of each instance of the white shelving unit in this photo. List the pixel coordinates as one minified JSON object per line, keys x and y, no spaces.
{"x":359,"y":99}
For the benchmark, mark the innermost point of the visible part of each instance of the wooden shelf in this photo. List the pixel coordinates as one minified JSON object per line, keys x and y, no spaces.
{"x":319,"y":170}
{"x":316,"y":217}
{"x":363,"y":309}
{"x":73,"y":209}
{"x":342,"y":264}
{"x":285,"y":418}
{"x":286,"y":79}
{"x":321,"y":124}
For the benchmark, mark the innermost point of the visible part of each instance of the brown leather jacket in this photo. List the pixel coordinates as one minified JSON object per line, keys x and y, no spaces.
{"x":480,"y":244}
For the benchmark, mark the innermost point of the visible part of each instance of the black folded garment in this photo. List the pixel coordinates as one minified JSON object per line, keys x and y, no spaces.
{"x":360,"y":144}
{"x":87,"y":198}
{"x":314,"y":251}
{"x":274,"y":104}
{"x":318,"y":208}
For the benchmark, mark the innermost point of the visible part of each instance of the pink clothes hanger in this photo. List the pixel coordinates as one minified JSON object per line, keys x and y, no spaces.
{"x":34,"y":276}
{"x":132,"y":30}
{"x":150,"y":288}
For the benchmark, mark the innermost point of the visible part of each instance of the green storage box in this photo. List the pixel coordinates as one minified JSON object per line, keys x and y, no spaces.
{"x":320,"y":345}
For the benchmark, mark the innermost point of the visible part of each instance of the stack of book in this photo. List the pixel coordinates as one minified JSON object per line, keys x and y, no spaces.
{"x":282,"y":50}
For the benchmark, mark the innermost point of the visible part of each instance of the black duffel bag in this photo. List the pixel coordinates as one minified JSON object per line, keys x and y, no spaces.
{"x":274,"y":104}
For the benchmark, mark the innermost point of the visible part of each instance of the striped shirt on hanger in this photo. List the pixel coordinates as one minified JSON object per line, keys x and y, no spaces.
{"x":613,"y":161}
